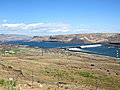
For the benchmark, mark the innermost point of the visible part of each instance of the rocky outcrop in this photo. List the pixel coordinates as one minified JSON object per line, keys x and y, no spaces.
{"x":76,"y":40}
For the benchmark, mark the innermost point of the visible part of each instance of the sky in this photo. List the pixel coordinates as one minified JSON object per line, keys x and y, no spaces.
{"x":54,"y":17}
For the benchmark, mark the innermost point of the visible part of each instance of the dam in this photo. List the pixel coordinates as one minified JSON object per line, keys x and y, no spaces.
{"x":77,"y":48}
{"x":89,"y":46}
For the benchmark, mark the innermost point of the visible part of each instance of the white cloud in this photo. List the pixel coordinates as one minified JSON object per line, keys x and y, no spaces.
{"x":35,"y":30}
{"x":38,"y":28}
{"x":59,"y":30}
{"x":50,"y":27}
{"x":12,"y":25}
{"x":5,"y":20}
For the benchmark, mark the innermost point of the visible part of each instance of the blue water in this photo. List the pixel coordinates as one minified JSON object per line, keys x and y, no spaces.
{"x":94,"y":50}
{"x":44,"y":45}
{"x":103,"y":51}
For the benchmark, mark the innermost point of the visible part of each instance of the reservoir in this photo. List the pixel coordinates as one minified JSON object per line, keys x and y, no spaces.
{"x":102,"y":50}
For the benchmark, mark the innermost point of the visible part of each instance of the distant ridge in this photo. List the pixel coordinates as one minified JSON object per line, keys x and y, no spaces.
{"x":13,"y":37}
{"x":80,"y":38}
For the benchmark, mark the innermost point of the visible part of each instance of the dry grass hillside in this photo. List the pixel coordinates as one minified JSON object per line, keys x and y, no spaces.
{"x":55,"y":69}
{"x":80,"y":38}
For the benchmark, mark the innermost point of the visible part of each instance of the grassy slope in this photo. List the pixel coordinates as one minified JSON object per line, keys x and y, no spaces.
{"x":76,"y":71}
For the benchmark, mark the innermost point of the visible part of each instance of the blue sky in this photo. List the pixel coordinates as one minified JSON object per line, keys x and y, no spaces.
{"x":51,"y":17}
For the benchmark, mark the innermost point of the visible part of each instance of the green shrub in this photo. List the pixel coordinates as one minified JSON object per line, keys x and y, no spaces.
{"x":8,"y":85}
{"x":2,"y":82}
{"x":86,"y":74}
{"x":11,"y":82}
{"x":11,"y":85}
{"x":60,"y":74}
{"x":15,"y":50}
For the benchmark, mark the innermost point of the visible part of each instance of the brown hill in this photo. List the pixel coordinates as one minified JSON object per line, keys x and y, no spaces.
{"x":13,"y":37}
{"x":80,"y":38}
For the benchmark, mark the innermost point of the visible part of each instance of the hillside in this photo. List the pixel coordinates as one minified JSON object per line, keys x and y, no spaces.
{"x":56,"y":69}
{"x":13,"y":37}
{"x":80,"y":38}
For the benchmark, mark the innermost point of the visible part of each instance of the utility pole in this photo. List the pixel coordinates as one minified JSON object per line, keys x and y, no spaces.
{"x":58,"y":73}
{"x":32,"y":78}
{"x":97,"y":85}
{"x":42,"y":52}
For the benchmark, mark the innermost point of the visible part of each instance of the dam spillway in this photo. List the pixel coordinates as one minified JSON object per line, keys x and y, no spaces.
{"x":89,"y":46}
{"x":78,"y":48}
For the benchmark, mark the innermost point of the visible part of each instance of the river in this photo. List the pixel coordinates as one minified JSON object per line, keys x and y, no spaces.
{"x":107,"y":51}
